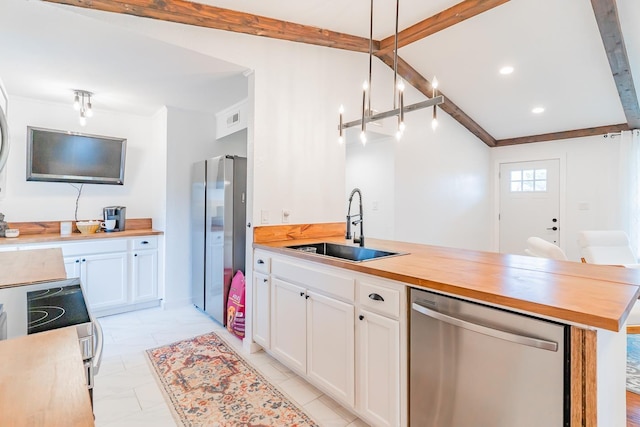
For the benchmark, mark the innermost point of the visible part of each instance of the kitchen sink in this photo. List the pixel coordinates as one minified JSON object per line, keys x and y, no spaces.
{"x":351,"y":253}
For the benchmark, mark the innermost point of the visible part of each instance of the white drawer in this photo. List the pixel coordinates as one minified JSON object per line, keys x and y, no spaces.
{"x":261,"y":262}
{"x":320,"y":278}
{"x":147,"y":242}
{"x":381,"y":299}
{"x":94,"y":246}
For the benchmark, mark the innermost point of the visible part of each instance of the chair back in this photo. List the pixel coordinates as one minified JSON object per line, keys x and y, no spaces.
{"x":543,"y":249}
{"x":606,"y":247}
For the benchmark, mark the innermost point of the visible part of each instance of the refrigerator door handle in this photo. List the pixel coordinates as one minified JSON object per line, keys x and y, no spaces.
{"x":496,"y":333}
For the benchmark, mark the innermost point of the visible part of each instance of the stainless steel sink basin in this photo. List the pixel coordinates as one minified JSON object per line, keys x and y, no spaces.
{"x":351,"y":253}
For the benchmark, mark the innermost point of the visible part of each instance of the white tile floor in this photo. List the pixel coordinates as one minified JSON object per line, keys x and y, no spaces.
{"x":126,"y":394}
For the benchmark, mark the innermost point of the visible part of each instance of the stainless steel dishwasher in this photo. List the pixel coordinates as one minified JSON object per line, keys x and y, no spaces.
{"x":473,"y":365}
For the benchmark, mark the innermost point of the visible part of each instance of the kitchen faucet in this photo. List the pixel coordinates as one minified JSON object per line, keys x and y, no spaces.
{"x":350,"y":220}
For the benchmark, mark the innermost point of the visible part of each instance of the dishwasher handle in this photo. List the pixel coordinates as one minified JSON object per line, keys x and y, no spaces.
{"x":496,"y":333}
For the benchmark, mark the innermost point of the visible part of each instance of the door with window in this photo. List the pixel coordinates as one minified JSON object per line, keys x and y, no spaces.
{"x":529,"y":204}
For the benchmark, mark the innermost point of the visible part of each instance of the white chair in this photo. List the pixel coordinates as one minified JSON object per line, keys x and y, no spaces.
{"x":606,"y":247}
{"x":610,"y":247}
{"x":542,"y":249}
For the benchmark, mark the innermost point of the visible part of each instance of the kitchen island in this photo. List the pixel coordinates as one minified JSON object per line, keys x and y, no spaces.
{"x":42,"y":376}
{"x":593,"y":300}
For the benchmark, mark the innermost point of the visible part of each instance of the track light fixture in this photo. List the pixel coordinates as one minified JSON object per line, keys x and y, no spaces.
{"x":82,"y":103}
{"x":398,"y":99}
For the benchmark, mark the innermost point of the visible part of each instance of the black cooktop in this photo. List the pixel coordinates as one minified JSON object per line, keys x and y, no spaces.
{"x":56,"y":308}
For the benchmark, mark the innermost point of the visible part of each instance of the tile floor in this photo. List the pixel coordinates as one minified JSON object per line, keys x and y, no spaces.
{"x":126,"y":394}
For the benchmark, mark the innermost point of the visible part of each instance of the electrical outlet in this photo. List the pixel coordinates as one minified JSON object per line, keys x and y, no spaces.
{"x":374,"y":206}
{"x":264,"y":216}
{"x":286,"y":213}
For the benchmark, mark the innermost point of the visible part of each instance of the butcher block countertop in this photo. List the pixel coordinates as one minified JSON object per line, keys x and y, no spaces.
{"x":588,"y":295}
{"x":42,"y":381}
{"x":19,"y":268}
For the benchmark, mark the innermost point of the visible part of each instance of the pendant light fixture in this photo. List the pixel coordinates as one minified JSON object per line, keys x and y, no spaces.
{"x":82,"y":103}
{"x":399,"y":108}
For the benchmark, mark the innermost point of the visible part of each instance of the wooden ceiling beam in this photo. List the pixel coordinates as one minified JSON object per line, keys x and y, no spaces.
{"x":413,"y":77}
{"x":201,"y":15}
{"x":606,"y":13}
{"x":438,"y":22}
{"x":578,"y":133}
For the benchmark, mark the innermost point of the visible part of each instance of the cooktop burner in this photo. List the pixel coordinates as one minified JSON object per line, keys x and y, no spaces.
{"x":56,"y":308}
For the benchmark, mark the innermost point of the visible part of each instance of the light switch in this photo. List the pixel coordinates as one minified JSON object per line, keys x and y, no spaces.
{"x":286,"y":213}
{"x":264,"y":216}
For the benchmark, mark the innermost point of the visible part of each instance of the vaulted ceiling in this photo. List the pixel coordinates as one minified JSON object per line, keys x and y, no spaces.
{"x":574,"y":58}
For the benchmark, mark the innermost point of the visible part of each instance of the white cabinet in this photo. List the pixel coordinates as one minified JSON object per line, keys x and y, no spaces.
{"x":380,"y":350}
{"x":378,"y":368}
{"x":330,"y":348}
{"x":118,"y":274}
{"x":144,"y":270}
{"x":261,"y":309}
{"x":261,"y":299}
{"x":289,"y":325}
{"x":345,"y":332}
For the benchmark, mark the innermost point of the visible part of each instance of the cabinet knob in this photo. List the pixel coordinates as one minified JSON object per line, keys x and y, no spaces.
{"x":306,"y":297}
{"x":77,"y":261}
{"x":265,"y":280}
{"x":361,"y":317}
{"x":135,"y":254}
{"x":260,"y":261}
{"x":376,"y":297}
{"x":301,"y":294}
{"x":84,"y":260}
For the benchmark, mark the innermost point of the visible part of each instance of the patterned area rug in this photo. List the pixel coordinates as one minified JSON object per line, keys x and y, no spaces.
{"x":209,"y":384}
{"x":633,"y":363}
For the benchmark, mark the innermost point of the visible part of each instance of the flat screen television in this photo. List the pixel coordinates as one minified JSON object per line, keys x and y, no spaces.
{"x":60,"y":156}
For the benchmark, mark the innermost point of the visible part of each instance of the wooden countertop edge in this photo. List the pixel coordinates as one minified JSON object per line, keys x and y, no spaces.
{"x":44,"y":238}
{"x":45,"y":375}
{"x":574,"y":316}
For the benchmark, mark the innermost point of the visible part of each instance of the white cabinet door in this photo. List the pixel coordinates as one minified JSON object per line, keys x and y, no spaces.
{"x":330,"y":345}
{"x":378,"y":369}
{"x":72,"y":266}
{"x":261,"y":312}
{"x":288,"y":324}
{"x":145,"y":276}
{"x":105,"y":279}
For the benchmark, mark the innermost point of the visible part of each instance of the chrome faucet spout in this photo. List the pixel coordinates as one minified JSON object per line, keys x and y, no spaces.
{"x":350,"y":217}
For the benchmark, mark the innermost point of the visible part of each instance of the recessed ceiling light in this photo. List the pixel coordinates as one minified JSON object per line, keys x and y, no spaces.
{"x":506,"y":70}
{"x":537,"y":110}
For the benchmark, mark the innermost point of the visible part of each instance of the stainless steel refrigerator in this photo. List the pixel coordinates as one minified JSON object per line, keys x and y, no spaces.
{"x":218,"y":217}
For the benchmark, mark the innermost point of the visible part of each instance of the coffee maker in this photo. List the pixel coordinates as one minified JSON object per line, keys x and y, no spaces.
{"x":117,"y":213}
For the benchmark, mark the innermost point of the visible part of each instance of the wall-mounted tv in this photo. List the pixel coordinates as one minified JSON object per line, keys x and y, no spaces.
{"x":60,"y":156}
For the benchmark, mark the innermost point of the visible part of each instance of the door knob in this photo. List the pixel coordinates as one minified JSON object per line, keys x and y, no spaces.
{"x":554,"y":220}
{"x":552,"y":228}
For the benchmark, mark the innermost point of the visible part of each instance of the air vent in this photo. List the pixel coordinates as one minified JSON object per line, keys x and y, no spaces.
{"x":233,"y":119}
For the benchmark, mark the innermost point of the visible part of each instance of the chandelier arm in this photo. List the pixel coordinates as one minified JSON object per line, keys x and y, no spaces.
{"x":407,"y":109}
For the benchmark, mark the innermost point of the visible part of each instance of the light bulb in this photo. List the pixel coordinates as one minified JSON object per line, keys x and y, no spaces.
{"x":89,"y":112}
{"x":402,"y":127}
{"x":363,"y":138}
{"x":83,"y":120}
{"x":398,"y":135}
{"x":401,"y":85}
{"x":365,"y":85}
{"x":434,"y":83}
{"x":341,"y":140}
{"x":341,"y":109}
{"x":434,"y":123}
{"x":76,"y":102}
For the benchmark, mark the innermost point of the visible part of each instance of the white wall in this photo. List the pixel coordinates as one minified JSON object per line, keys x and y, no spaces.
{"x":52,"y":201}
{"x":591,"y":178}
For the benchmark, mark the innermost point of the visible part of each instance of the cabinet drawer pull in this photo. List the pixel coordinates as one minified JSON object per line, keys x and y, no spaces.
{"x":260,"y":261}
{"x":376,"y":297}
{"x":301,"y":294}
{"x":144,"y":242}
{"x":361,"y":317}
